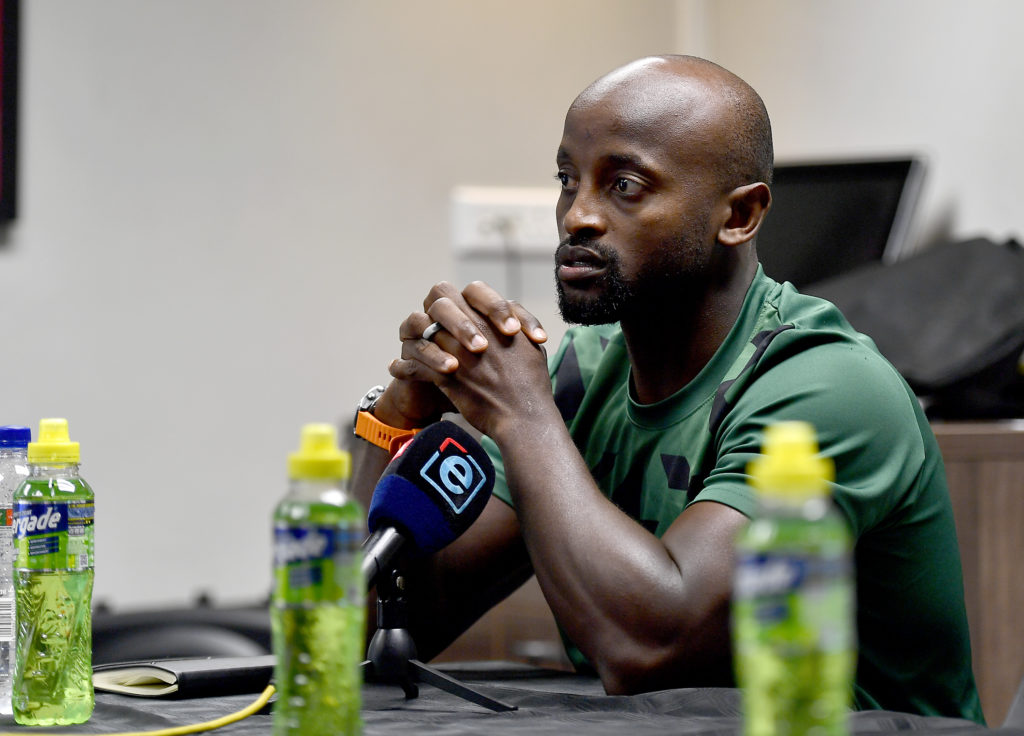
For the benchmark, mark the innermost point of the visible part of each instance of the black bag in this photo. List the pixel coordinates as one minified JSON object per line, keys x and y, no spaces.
{"x":951,"y":319}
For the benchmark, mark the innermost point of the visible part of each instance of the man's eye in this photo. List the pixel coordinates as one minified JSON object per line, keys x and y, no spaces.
{"x":565,"y":179}
{"x":627,"y":186}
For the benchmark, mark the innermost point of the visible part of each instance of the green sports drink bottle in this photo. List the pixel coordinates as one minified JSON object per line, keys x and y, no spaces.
{"x":793,"y":595}
{"x":53,"y":577}
{"x":318,"y":611}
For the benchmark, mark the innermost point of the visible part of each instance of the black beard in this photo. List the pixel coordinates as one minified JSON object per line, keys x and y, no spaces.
{"x":603,"y":309}
{"x":661,"y":288}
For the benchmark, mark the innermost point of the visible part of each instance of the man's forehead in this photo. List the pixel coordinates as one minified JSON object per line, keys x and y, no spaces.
{"x":646,"y":94}
{"x":642,"y":122}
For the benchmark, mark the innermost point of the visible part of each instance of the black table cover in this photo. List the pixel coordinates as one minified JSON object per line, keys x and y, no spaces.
{"x":559,"y":704}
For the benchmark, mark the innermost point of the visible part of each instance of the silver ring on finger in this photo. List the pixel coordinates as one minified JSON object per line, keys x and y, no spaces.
{"x":432,"y":329}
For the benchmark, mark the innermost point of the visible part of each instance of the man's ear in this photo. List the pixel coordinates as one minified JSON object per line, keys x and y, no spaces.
{"x":748,"y":206}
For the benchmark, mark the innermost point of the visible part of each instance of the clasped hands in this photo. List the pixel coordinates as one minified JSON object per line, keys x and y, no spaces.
{"x":484,"y":359}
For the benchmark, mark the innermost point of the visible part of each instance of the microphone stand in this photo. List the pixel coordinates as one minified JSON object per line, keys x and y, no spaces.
{"x":391,"y":656}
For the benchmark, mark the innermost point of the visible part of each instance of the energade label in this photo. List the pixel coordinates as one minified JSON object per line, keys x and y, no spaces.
{"x":316,"y":563}
{"x":54,"y":535}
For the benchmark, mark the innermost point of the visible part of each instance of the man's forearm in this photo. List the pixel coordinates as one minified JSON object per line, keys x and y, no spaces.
{"x":642,"y":615}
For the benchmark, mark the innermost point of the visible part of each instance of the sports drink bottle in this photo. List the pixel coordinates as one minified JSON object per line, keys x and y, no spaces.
{"x":53,"y":577}
{"x":13,"y":470}
{"x":793,"y":595}
{"x":318,"y":616}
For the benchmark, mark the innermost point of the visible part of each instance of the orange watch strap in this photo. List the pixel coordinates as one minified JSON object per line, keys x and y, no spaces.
{"x":376,"y":432}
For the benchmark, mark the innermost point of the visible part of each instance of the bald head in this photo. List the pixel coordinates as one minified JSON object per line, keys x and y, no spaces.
{"x":697,"y":99}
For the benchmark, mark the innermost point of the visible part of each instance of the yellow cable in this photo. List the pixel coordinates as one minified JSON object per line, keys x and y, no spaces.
{"x":182,"y":730}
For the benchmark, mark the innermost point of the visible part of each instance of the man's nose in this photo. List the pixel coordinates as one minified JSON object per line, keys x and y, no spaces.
{"x":584,"y":216}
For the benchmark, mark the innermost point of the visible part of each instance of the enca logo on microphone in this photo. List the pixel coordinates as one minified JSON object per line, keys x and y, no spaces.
{"x":455,"y":474}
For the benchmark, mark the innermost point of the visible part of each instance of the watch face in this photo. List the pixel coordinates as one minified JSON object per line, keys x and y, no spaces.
{"x":370,"y":399}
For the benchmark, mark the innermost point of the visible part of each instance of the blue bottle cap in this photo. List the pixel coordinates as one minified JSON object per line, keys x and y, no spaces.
{"x":13,"y":435}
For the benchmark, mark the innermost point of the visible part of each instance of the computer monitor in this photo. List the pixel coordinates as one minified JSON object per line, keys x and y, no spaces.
{"x":829,"y":217}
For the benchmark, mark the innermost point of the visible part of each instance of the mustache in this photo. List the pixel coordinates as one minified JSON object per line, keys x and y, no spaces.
{"x":588,"y":243}
{"x":572,"y":240}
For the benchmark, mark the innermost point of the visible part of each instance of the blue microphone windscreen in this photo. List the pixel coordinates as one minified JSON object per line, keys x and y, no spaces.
{"x":399,"y":503}
{"x":434,"y":488}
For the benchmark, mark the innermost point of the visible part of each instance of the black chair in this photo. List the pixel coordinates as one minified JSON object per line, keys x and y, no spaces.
{"x":201,"y":631}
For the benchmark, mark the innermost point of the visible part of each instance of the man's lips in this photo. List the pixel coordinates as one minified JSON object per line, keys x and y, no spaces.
{"x":577,"y":262}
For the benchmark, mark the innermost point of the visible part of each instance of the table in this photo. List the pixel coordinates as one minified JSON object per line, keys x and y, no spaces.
{"x":549,"y":703}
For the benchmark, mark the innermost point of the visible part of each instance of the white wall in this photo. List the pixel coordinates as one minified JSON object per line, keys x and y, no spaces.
{"x":227,"y":207}
{"x":941,"y":77}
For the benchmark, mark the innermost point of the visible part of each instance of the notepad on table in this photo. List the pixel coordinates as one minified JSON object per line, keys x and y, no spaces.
{"x":186,"y":678}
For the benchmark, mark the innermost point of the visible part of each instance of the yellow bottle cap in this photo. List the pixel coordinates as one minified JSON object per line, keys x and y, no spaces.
{"x":318,"y":456}
{"x":789,"y":465}
{"x":53,"y":444}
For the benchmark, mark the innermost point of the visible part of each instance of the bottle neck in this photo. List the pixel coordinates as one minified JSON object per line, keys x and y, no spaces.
{"x":53,"y":470}
{"x":18,"y":452}
{"x":312,"y":489}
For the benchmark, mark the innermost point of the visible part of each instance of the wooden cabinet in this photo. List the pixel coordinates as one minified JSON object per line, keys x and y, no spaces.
{"x":985,"y":467}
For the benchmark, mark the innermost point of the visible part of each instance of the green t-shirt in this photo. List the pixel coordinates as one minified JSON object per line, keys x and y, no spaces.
{"x":792,"y":356}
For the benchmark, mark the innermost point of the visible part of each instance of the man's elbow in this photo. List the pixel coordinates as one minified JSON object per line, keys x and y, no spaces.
{"x":628,"y":670}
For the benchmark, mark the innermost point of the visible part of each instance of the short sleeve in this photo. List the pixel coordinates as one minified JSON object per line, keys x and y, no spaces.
{"x":858,"y":405}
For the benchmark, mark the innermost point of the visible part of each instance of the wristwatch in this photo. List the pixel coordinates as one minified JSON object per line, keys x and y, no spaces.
{"x":372,"y":429}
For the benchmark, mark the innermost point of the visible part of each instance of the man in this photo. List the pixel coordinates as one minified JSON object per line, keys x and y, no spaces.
{"x":623,"y":487}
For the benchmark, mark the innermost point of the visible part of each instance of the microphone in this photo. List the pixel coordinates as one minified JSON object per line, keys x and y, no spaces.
{"x":429,"y":494}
